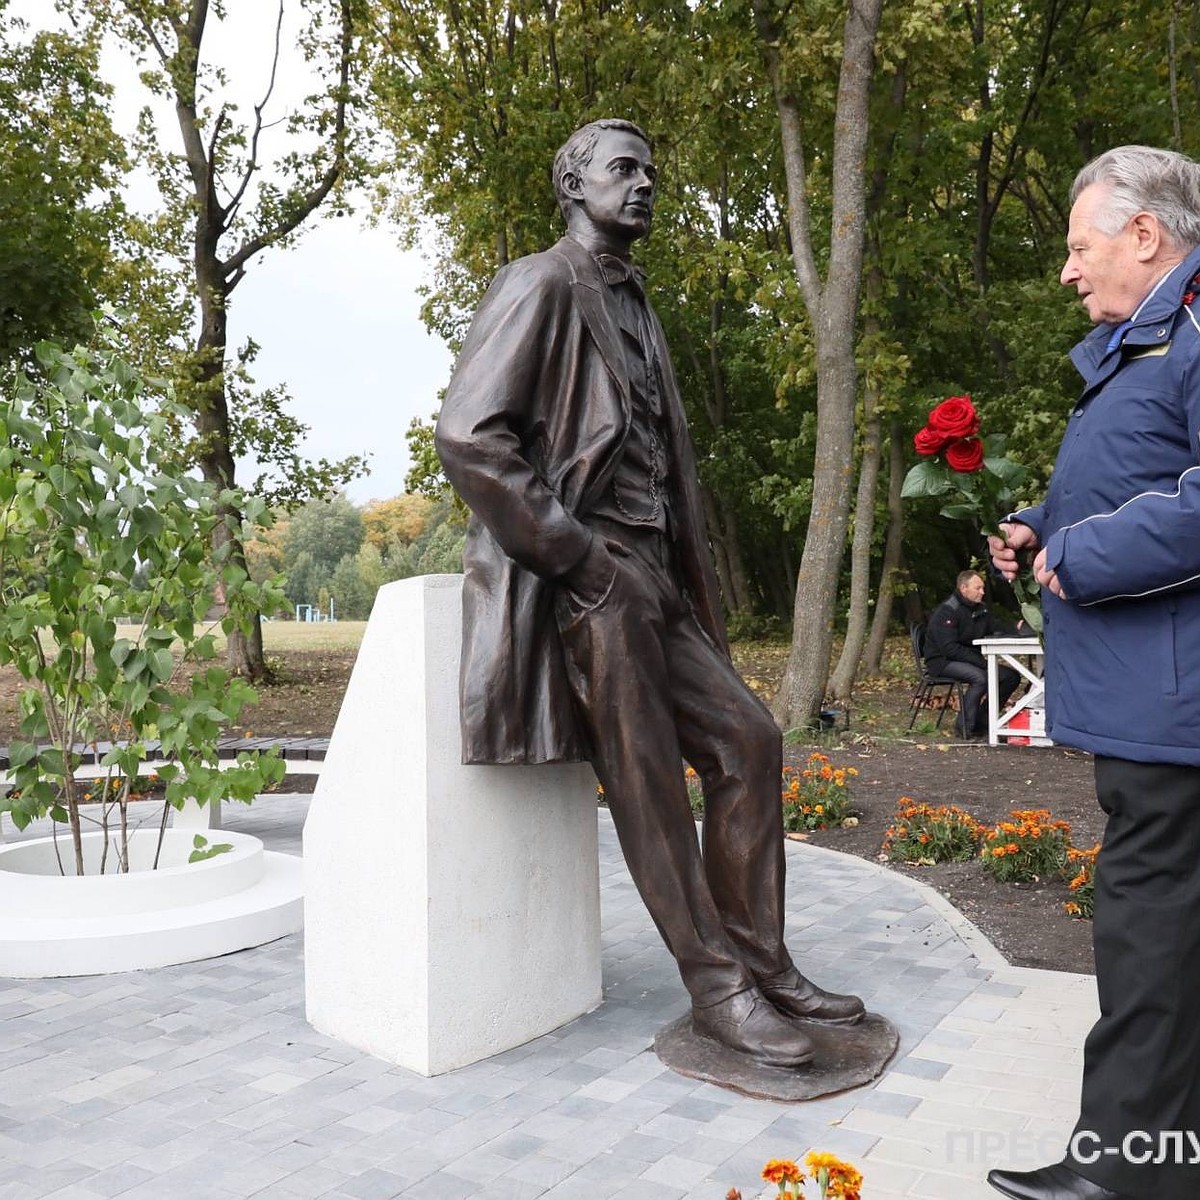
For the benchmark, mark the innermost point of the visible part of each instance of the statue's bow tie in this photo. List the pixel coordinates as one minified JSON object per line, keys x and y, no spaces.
{"x":618,"y":270}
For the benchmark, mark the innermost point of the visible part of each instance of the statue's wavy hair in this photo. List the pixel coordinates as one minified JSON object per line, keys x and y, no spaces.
{"x":1144,"y":179}
{"x":576,"y":152}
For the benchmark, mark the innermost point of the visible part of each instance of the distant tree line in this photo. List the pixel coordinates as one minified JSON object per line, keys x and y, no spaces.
{"x":333,"y":550}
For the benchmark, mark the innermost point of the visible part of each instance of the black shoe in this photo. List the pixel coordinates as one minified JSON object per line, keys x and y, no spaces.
{"x":795,"y":996}
{"x":1058,"y":1182}
{"x":747,"y":1023}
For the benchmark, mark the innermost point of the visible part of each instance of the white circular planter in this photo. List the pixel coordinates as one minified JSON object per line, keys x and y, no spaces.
{"x":94,"y":924}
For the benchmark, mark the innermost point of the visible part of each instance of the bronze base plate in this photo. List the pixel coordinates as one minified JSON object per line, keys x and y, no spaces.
{"x":847,"y":1057}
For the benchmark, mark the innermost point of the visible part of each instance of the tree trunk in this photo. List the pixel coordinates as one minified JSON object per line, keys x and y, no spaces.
{"x":842,"y":682}
{"x":889,"y":573}
{"x":727,"y":553}
{"x":215,"y":277}
{"x":803,"y":686}
{"x":832,"y":309}
{"x":244,"y":649}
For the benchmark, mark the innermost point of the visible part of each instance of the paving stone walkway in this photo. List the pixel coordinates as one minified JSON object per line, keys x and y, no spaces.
{"x":204,"y":1082}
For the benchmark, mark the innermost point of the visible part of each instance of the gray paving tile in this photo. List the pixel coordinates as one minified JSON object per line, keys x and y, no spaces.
{"x":203,"y":1081}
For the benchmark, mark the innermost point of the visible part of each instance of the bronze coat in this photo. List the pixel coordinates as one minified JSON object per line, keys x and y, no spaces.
{"x":530,"y":433}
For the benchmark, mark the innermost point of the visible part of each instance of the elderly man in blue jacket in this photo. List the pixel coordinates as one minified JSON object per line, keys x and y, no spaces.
{"x":1117,"y":551}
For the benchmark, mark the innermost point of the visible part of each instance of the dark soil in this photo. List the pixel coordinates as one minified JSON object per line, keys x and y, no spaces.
{"x":1025,"y":921}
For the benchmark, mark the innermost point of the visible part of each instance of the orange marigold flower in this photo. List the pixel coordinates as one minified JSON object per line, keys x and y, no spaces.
{"x":782,"y":1170}
{"x":844,"y":1180}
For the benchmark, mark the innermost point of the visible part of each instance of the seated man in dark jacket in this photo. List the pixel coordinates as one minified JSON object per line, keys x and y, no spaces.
{"x":950,"y":649}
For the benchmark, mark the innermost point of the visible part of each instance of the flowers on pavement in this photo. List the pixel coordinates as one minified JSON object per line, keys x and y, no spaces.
{"x":836,"y":1180}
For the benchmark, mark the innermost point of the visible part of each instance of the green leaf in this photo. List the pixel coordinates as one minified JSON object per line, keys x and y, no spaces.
{"x":959,"y":512}
{"x":204,"y":851}
{"x":1010,"y":473}
{"x":162,"y":663}
{"x":1033,"y":616}
{"x":927,"y":478}
{"x":20,"y":753}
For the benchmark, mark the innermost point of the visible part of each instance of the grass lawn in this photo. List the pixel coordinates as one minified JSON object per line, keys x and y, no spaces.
{"x":283,"y":636}
{"x":312,"y":635}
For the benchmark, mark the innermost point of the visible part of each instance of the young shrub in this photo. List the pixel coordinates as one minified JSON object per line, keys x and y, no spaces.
{"x":1082,"y":884}
{"x":925,"y":835}
{"x":1026,"y":848}
{"x":818,"y":797}
{"x":109,"y":574}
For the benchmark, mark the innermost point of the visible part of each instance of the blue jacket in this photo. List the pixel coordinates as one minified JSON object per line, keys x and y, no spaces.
{"x":1121,"y":527}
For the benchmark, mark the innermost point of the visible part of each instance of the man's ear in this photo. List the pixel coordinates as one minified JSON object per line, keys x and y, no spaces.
{"x":1148,"y":236}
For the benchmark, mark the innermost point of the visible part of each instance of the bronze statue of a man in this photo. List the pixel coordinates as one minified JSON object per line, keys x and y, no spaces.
{"x":591,"y":620}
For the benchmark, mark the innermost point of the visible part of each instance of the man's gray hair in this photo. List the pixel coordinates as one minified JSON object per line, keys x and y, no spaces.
{"x":576,"y":152}
{"x":1144,"y":179}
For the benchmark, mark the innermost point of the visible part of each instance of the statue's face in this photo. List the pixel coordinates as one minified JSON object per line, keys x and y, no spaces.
{"x":617,"y":186}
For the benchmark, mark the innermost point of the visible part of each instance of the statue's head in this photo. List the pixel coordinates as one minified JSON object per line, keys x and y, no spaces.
{"x":604,"y":176}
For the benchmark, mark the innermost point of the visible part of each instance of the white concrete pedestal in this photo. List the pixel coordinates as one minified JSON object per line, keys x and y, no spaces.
{"x":451,"y":912}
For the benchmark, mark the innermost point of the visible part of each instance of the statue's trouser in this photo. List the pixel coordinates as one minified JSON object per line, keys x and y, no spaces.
{"x":1141,"y":1073}
{"x":653,"y":689}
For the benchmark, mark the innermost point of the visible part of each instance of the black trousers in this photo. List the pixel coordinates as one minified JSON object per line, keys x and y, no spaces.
{"x":973,"y":718}
{"x":653,"y":689}
{"x":1142,"y":1058}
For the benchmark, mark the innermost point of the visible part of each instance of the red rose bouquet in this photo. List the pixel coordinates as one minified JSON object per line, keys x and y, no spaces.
{"x":978,"y":481}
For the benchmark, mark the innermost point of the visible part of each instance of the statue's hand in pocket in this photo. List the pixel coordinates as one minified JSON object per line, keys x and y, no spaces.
{"x":591,"y":579}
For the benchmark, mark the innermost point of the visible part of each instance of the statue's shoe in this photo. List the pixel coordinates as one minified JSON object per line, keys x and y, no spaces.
{"x":747,"y":1023}
{"x":796,"y":996}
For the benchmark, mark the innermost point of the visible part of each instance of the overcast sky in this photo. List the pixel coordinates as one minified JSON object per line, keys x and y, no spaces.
{"x":337,"y":320}
{"x":336,"y":317}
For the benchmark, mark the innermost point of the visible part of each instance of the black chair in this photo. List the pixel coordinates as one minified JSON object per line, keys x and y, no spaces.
{"x":928,"y":693}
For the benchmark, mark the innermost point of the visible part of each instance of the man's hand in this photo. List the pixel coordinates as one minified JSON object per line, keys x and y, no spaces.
{"x":1048,"y":579}
{"x":1014,"y":538}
